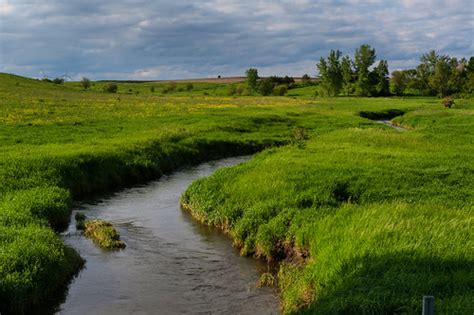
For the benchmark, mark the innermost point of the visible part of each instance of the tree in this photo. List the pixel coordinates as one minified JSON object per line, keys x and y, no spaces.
{"x":347,"y":74}
{"x":330,"y":73}
{"x":252,"y":77}
{"x":85,"y":83}
{"x":469,"y":82}
{"x":399,"y":81}
{"x":382,"y":85}
{"x":364,"y":58}
{"x":266,"y":86}
{"x":424,"y":73}
{"x":439,"y":81}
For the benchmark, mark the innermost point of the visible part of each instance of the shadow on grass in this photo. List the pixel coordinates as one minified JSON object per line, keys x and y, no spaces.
{"x":395,"y":284}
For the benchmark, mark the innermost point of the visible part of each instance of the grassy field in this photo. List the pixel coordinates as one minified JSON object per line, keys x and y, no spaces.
{"x":365,"y":218}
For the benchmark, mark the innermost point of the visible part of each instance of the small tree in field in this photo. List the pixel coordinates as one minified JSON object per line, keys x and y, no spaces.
{"x":252,"y":77}
{"x":85,"y":83}
{"x":111,"y":87}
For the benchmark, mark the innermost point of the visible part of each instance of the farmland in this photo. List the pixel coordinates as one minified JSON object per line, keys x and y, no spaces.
{"x":364,"y":218}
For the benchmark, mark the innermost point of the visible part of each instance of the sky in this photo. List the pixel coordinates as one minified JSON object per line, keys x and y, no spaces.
{"x":155,"y":39}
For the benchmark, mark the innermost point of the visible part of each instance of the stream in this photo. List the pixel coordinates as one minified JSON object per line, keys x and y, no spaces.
{"x":172,"y":264}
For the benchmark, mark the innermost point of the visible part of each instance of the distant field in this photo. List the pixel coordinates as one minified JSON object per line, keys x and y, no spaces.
{"x":366,"y":219}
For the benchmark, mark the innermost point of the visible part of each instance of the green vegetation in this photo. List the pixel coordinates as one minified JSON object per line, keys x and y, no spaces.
{"x":60,"y":141}
{"x":439,"y":75}
{"x":103,"y":234}
{"x":366,"y":219}
{"x":80,"y":221}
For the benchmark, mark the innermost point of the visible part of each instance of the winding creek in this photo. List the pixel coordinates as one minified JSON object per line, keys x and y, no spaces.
{"x":172,"y":264}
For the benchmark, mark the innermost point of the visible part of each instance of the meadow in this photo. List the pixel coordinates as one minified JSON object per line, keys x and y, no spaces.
{"x":365,"y":219}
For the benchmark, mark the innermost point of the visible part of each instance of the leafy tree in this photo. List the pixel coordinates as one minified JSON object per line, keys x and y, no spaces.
{"x":400,"y":82}
{"x":330,"y":73}
{"x":85,"y":83}
{"x":347,"y":74}
{"x":424,"y":73}
{"x":439,"y":80}
{"x":364,"y":58}
{"x":252,"y":77}
{"x":266,"y":86}
{"x":382,"y":85}
{"x":469,"y":82}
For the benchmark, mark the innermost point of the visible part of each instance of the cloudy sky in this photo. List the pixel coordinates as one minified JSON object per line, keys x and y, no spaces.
{"x":156,"y":39}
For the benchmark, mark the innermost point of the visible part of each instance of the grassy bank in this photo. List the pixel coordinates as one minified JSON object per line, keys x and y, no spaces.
{"x":365,"y":220}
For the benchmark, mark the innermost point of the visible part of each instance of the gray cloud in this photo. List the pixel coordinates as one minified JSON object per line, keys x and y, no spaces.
{"x":144,"y":39}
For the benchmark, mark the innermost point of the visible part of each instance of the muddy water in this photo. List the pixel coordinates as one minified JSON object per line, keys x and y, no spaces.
{"x":171,"y":265}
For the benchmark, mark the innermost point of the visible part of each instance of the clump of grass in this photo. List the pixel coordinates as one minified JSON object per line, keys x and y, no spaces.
{"x":266,"y":279}
{"x":103,"y":234}
{"x":80,"y":220}
{"x":300,"y":133}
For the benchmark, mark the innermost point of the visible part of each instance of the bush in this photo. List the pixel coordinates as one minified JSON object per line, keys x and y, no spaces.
{"x":305,"y":79}
{"x":58,"y":81}
{"x":232,"y":90}
{"x":85,"y":83}
{"x":170,"y":88}
{"x":280,"y":90}
{"x":111,"y":87}
{"x":448,"y":101}
{"x":189,"y":86}
{"x":266,"y":86}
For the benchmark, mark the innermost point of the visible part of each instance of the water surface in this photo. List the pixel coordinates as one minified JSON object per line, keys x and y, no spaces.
{"x":171,"y":265}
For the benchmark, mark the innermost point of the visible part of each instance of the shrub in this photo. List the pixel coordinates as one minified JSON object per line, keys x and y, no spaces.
{"x":85,"y":83}
{"x":80,"y":220}
{"x":232,"y":90}
{"x":300,"y":133}
{"x":448,"y":101}
{"x":280,"y":90}
{"x":58,"y":81}
{"x":266,"y":86}
{"x":305,"y":79}
{"x":189,"y":86}
{"x":111,"y":88}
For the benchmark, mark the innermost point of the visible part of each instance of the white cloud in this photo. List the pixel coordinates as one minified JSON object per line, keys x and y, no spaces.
{"x":6,"y":7}
{"x":146,"y":73}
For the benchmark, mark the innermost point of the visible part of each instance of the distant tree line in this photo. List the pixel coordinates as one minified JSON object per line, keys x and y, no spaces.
{"x":439,"y":75}
{"x":273,"y":85}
